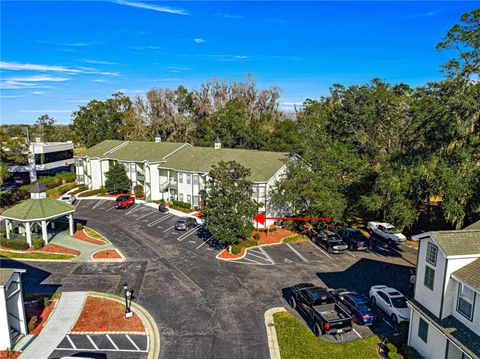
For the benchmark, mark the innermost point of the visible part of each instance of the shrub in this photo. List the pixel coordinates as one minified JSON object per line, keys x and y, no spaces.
{"x":138,"y":190}
{"x":46,"y":301}
{"x":54,"y":192}
{"x":79,"y":226}
{"x":158,"y":201}
{"x":182,"y":204}
{"x":413,"y":354}
{"x":93,"y":192}
{"x":32,"y":323}
{"x":79,"y":189}
{"x":257,"y":236}
{"x":394,"y":355}
{"x":38,"y":243}
{"x":17,"y":244}
{"x":391,"y":348}
{"x":236,"y":249}
{"x":273,"y":229}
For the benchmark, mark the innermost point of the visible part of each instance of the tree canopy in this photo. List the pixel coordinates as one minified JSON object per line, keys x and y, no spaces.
{"x":117,"y":179}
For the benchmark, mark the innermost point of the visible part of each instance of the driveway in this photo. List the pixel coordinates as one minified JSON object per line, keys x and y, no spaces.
{"x":205,"y":307}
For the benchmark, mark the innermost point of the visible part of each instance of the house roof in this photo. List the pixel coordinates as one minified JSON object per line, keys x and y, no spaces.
{"x":470,"y":274}
{"x":5,"y":273}
{"x":474,"y":226}
{"x":133,"y":150}
{"x":458,"y":243}
{"x":455,"y":330}
{"x":263,"y":164}
{"x":38,"y":208}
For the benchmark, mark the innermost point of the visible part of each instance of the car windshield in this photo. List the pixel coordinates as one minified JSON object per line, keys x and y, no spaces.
{"x":66,"y":197}
{"x":392,"y":230}
{"x":364,"y":308}
{"x":181,"y":221}
{"x":333,"y":237}
{"x":399,"y":302}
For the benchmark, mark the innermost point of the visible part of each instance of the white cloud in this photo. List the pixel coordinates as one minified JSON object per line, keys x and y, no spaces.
{"x":35,"y":67}
{"x":39,"y":78}
{"x":199,"y":40}
{"x":14,"y":85}
{"x":100,"y":80}
{"x":141,"y":5}
{"x":100,"y":62}
{"x":39,"y":92}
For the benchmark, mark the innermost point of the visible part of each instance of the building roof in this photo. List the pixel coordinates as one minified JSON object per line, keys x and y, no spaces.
{"x":263,"y":164}
{"x":38,"y":187}
{"x":38,"y":208}
{"x":133,"y":150}
{"x":470,"y":274}
{"x":458,"y":243}
{"x":455,"y":330}
{"x":5,"y":273}
{"x":473,"y":226}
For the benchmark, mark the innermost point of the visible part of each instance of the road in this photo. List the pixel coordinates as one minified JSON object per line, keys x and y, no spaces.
{"x":205,"y":307}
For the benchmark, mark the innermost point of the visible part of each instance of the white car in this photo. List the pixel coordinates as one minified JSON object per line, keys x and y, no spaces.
{"x":68,"y":199}
{"x":391,"y":301}
{"x":386,"y":231}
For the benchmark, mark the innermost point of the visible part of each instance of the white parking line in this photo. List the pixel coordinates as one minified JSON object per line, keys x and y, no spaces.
{"x":93,"y":343}
{"x":169,"y":228}
{"x":104,"y":350}
{"x":252,"y":262}
{"x":71,"y":342}
{"x":297,"y":253}
{"x":151,"y":224}
{"x":146,"y":215}
{"x":133,"y":209}
{"x":267,"y":255}
{"x":102,"y":201}
{"x":204,"y":242}
{"x":133,"y":343}
{"x":353,"y":255}
{"x":260,"y":257}
{"x":108,"y":210}
{"x":314,"y":245}
{"x":357,"y":333}
{"x":111,"y":341}
{"x":185,"y":235}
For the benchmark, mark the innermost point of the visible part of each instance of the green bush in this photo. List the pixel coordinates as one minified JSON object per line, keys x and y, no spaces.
{"x":391,"y":348}
{"x":158,"y":201}
{"x":93,"y":192}
{"x":413,"y":354}
{"x":38,"y":243}
{"x":32,"y":323}
{"x":138,"y":190}
{"x":181,"y":204}
{"x":394,"y":355}
{"x":236,"y":249}
{"x":79,"y":189}
{"x":257,"y":236}
{"x":273,"y":230}
{"x":14,"y":244}
{"x":79,"y":226}
{"x":54,"y":192}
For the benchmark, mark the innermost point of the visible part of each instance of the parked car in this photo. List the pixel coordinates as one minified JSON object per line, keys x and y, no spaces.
{"x":185,"y":223}
{"x":357,"y":304}
{"x":124,"y":201}
{"x":67,"y":198}
{"x":391,"y":301}
{"x":163,"y":208}
{"x":355,"y":240}
{"x":386,"y":231}
{"x":329,"y":316}
{"x":330,"y":241}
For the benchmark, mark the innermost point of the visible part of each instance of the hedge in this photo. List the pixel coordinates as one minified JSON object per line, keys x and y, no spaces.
{"x":93,"y":192}
{"x":182,"y":204}
{"x":38,"y":243}
{"x":54,"y":192}
{"x":14,"y":244}
{"x":79,"y":189}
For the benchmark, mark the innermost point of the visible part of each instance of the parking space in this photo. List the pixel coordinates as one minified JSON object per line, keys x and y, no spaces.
{"x":115,"y":346}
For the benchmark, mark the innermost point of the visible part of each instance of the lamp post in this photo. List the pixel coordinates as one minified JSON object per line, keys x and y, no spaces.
{"x":128,"y":301}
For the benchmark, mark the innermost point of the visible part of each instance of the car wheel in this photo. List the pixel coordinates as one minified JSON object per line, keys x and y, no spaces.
{"x":293,"y":303}
{"x":316,"y":330}
{"x":394,"y":319}
{"x":373,"y":300}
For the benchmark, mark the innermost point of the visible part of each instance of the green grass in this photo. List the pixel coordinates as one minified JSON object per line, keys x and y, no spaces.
{"x":90,"y":232}
{"x":296,"y":341}
{"x":295,"y":239}
{"x":35,"y":255}
{"x":93,"y":192}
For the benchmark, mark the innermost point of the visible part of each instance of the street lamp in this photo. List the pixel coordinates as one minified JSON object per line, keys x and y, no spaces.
{"x":128,"y":301}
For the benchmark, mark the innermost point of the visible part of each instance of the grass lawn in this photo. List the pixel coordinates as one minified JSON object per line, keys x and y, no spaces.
{"x":296,"y":341}
{"x":295,"y":239}
{"x":37,"y":255}
{"x":94,"y":234}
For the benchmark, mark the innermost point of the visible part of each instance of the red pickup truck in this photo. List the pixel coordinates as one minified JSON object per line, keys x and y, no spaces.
{"x":124,"y":201}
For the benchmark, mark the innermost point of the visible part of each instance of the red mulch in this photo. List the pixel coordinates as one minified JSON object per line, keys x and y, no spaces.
{"x":55,"y":248}
{"x":85,"y":237}
{"x":44,"y":316}
{"x":198,"y":214}
{"x":107,"y":253}
{"x":106,"y":315}
{"x":116,"y":195}
{"x":13,"y":355}
{"x":271,"y":238}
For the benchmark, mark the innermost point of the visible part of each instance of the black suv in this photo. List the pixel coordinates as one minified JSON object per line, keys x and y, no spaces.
{"x":330,"y":241}
{"x":355,"y":239}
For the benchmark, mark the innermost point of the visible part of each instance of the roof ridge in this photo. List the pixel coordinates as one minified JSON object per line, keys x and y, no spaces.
{"x":123,"y":144}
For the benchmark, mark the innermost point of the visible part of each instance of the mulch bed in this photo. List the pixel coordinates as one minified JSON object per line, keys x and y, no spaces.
{"x":81,"y":235}
{"x":107,"y":254}
{"x":49,"y":248}
{"x":106,"y":315}
{"x":44,"y":317}
{"x":271,"y":238}
{"x":13,"y":355}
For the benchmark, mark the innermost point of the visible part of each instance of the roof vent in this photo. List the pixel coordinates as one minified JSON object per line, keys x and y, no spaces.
{"x":217,"y":144}
{"x":158,"y":138}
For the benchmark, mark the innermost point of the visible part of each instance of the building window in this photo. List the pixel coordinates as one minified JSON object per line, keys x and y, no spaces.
{"x":429,"y":277}
{"x":133,"y":167}
{"x":432,"y":251}
{"x":189,"y":178}
{"x":195,"y":200}
{"x":79,"y":162}
{"x":180,"y":178}
{"x":422,"y":329}
{"x":180,"y":196}
{"x":189,"y":198}
{"x":261,"y":192}
{"x":195,"y":179}
{"x":466,"y":301}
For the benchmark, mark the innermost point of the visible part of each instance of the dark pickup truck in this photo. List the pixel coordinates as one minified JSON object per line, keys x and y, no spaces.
{"x":329,"y":317}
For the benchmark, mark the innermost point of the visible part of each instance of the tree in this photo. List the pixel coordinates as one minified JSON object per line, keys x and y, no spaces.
{"x":117,"y":179}
{"x":13,"y":150}
{"x":229,"y":208}
{"x":465,"y":39}
{"x":101,"y":120}
{"x":45,"y":128}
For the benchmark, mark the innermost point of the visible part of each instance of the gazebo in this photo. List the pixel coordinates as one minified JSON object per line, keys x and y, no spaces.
{"x":38,"y":211}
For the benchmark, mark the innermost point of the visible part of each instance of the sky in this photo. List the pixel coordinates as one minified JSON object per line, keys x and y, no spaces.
{"x":56,"y":56}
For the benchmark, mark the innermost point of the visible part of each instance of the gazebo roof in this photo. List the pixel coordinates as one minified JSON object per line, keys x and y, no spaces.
{"x":38,"y":187}
{"x":38,"y":208}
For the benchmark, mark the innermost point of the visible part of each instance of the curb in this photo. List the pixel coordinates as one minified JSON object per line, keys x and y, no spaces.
{"x":104,"y":240}
{"x":272,"y":333}
{"x":122,"y":259}
{"x":150,"y":326}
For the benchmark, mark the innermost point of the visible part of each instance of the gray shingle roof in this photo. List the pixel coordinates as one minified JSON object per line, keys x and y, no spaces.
{"x":38,"y":187}
{"x":5,"y":273}
{"x":474,"y":226}
{"x":456,"y":331}
{"x":470,"y":274}
{"x":457,"y":243}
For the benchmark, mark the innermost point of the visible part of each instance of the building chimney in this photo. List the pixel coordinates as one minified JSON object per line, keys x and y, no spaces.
{"x":217,"y":144}
{"x":158,"y":138}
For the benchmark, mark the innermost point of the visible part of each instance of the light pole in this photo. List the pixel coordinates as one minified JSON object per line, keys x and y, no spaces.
{"x":128,"y":301}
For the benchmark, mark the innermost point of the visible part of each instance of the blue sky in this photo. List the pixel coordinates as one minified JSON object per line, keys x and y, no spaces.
{"x":57,"y":55}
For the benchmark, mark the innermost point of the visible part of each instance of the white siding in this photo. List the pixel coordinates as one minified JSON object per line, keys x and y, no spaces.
{"x":474,"y":325}
{"x":154,"y":183}
{"x":436,"y":343}
{"x":95,"y":173}
{"x":105,"y":168}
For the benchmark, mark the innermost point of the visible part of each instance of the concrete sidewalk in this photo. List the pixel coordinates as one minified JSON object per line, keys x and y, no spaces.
{"x":59,"y":324}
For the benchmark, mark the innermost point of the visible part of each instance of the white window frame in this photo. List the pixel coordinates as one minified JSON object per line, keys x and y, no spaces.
{"x":462,"y":290}
{"x":180,"y":197}
{"x":189,"y":198}
{"x":432,"y":254}
{"x":180,"y":178}
{"x":195,"y":179}
{"x":189,"y":178}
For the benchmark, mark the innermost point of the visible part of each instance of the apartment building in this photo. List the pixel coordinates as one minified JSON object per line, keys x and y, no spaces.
{"x":177,"y":171}
{"x":445,"y":316}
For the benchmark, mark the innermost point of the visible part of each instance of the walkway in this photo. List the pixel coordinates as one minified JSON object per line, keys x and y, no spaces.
{"x":62,"y":319}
